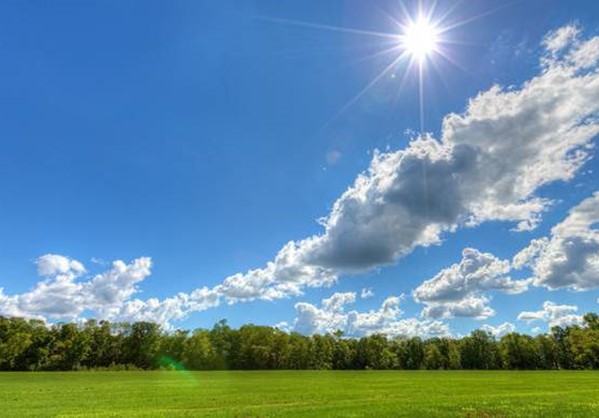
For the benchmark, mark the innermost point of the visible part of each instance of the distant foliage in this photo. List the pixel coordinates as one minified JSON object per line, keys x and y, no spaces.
{"x":31,"y":345}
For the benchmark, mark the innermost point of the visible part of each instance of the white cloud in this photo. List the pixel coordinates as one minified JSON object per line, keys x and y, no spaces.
{"x":473,"y":306}
{"x":554,"y":315}
{"x":59,"y":266}
{"x":60,"y":296}
{"x":107,"y":292}
{"x":337,"y":301}
{"x":281,"y":278}
{"x":8,"y":305}
{"x":524,"y":257}
{"x":499,"y":330}
{"x":460,"y":290}
{"x":488,"y":164}
{"x":57,"y":296}
{"x":283,"y":326}
{"x":414,"y":327}
{"x":108,"y":295}
{"x":333,"y":315}
{"x":536,"y":330}
{"x":569,"y":258}
{"x":170,"y":309}
{"x":560,"y":39}
{"x":564,"y":44}
{"x":54,"y":298}
{"x":366,"y":293}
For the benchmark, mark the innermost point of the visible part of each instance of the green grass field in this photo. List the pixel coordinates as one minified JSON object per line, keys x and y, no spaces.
{"x":300,"y":394}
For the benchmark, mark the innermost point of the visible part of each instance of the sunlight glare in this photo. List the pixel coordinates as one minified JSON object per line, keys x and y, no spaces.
{"x":420,"y":38}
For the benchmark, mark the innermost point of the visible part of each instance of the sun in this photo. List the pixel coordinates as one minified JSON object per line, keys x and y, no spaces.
{"x":417,"y":39}
{"x":420,"y":39}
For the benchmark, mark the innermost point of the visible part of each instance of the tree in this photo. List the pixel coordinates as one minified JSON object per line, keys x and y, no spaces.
{"x":343,"y":354}
{"x":415,"y":353}
{"x":479,"y":351}
{"x":69,"y":349}
{"x":30,"y":344}
{"x":591,"y":321}
{"x":562,"y":347}
{"x":172,"y":347}
{"x":222,"y":338}
{"x":198,"y":352}
{"x":377,"y":354}
{"x":433,"y":359}
{"x":142,"y":345}
{"x":519,"y":351}
{"x":321,"y":352}
{"x":299,"y":352}
{"x":547,"y":352}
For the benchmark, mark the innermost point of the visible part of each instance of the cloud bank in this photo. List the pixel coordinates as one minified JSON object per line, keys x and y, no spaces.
{"x":333,"y":316}
{"x":488,"y":164}
{"x":64,"y":294}
{"x":567,"y":258}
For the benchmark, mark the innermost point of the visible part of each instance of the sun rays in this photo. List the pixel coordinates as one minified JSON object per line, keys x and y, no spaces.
{"x":420,"y":40}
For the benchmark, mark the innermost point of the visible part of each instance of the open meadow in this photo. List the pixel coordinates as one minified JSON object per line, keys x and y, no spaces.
{"x":301,"y":394}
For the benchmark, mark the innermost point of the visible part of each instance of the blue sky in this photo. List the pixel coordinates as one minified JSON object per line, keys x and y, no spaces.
{"x":205,"y":136}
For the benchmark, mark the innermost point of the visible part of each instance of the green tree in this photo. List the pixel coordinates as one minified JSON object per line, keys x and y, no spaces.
{"x":142,"y":345}
{"x":519,"y":351}
{"x":321,"y":352}
{"x":198,"y":352}
{"x":433,"y":359}
{"x":222,"y":338}
{"x":479,"y":351}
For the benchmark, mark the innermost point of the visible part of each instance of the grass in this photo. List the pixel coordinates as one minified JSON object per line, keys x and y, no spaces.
{"x":300,"y":394}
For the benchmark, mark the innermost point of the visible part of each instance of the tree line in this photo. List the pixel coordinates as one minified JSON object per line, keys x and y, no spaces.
{"x":32,"y":345}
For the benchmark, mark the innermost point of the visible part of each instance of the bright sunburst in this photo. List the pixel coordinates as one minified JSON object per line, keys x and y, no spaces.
{"x":420,"y":38}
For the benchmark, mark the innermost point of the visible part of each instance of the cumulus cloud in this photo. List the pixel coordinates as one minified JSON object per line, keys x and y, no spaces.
{"x":366,"y":293}
{"x":106,"y":292}
{"x":487,"y":165}
{"x":283,"y":277}
{"x":170,"y":309}
{"x":476,"y":307}
{"x":60,"y":295}
{"x":59,"y":266}
{"x":461,"y":289}
{"x":9,"y":305}
{"x":108,"y":295}
{"x":499,"y":330}
{"x":569,"y":257}
{"x":560,"y":39}
{"x":554,"y":315}
{"x":333,"y":315}
{"x":57,"y":296}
